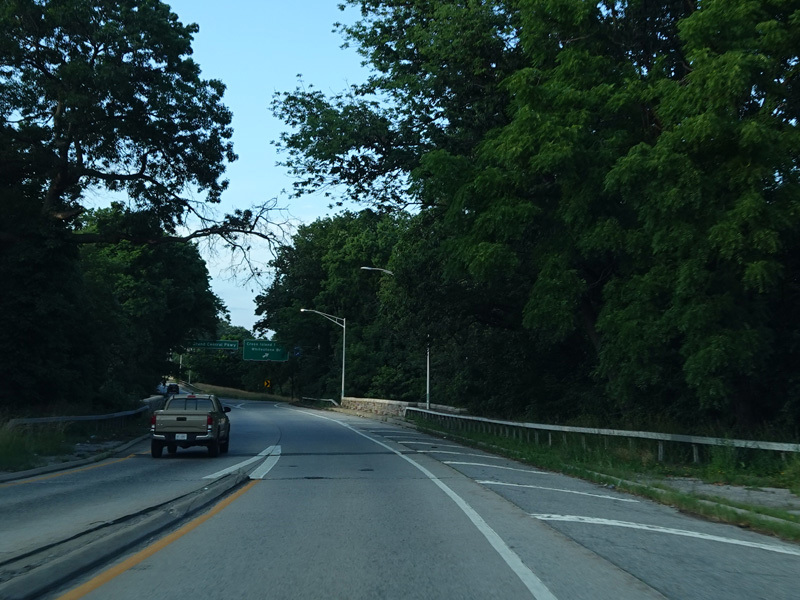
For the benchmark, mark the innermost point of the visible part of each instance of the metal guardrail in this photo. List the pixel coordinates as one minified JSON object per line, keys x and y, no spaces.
{"x":71,"y":419}
{"x":331,"y":400}
{"x":486,"y":425}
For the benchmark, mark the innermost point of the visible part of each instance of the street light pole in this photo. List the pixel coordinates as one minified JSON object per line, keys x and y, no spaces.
{"x":427,"y":349}
{"x":341,"y":322}
{"x":428,"y":375}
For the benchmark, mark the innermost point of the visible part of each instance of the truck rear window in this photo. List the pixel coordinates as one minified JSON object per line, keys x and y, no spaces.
{"x":190,"y":404}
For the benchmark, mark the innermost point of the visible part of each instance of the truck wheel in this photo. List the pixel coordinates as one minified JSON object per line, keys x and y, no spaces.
{"x":156,"y":448}
{"x":213,"y":449}
{"x":172,"y":448}
{"x":223,"y":447}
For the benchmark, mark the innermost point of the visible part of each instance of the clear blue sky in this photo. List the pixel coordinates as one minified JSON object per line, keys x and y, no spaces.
{"x":257,"y":48}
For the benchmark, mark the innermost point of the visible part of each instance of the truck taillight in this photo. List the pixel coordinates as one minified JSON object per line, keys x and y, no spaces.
{"x":209,"y":420}
{"x":152,"y":419}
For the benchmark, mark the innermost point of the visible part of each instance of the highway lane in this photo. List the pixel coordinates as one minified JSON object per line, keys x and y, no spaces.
{"x":48,"y":508}
{"x":348,"y":507}
{"x":343,"y":514}
{"x":681,"y":556}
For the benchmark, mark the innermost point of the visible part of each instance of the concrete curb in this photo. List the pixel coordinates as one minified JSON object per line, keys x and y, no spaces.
{"x":52,"y":575}
{"x":12,"y":476}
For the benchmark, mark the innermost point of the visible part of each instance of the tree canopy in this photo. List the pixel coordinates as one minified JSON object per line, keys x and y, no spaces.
{"x":102,"y":99}
{"x":614,"y":184}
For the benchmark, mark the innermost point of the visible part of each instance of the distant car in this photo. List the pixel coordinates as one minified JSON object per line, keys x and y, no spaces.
{"x":173,"y":388}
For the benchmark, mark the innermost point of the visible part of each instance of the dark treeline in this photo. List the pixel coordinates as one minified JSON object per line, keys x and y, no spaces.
{"x":605,"y":211}
{"x":99,"y":101}
{"x":90,"y":328}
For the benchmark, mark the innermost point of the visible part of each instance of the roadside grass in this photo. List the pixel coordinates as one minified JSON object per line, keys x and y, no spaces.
{"x":22,"y":447}
{"x":225,"y":392}
{"x":26,"y":446}
{"x":634,"y":468}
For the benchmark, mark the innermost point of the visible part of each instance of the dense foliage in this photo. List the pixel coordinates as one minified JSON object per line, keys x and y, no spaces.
{"x":607,"y":206}
{"x":100,"y":99}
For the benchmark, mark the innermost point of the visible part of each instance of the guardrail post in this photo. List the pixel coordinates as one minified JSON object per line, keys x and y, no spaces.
{"x":549,"y":438}
{"x":660,"y":451}
{"x":695,"y":453}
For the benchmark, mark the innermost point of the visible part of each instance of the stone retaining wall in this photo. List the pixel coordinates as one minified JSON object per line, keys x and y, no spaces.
{"x":376,"y":406}
{"x":393,"y":408}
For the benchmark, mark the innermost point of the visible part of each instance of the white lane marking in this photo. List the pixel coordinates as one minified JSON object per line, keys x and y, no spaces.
{"x":265,"y":452}
{"x":549,"y":489}
{"x":668,"y":530}
{"x":472,"y":464}
{"x":433,"y":444}
{"x":460,"y":454}
{"x":267,"y":465}
{"x":535,"y":586}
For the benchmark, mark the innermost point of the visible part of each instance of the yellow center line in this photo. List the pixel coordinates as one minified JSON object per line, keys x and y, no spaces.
{"x":62,"y":473}
{"x":109,"y":574}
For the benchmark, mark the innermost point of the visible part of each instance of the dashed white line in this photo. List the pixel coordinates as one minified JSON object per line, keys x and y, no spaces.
{"x":265,"y":452}
{"x":670,"y":531}
{"x":460,"y":454}
{"x":267,"y":465}
{"x":472,"y":464}
{"x":433,"y":444}
{"x":549,"y":489}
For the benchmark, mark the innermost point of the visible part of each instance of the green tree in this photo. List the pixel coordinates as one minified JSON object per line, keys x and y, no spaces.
{"x":99,"y":93}
{"x":148,"y":301}
{"x":100,"y":97}
{"x":613,"y":186}
{"x":436,"y":84}
{"x":320,"y":270}
{"x":221,"y":367}
{"x":716,"y":197}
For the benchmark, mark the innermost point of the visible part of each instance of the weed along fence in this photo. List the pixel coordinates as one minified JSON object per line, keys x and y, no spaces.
{"x":675,"y":445}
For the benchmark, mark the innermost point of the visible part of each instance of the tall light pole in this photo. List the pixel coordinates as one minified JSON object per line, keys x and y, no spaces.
{"x":341,"y":322}
{"x":427,"y":353}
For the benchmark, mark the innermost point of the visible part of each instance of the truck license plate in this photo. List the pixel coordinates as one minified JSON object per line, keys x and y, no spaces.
{"x":180,"y":436}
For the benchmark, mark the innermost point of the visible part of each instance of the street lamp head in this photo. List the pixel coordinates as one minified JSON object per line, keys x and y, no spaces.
{"x":387,"y":271}
{"x":302,"y":310}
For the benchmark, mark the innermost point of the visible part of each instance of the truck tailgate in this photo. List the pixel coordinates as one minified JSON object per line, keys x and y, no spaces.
{"x":181,"y":422}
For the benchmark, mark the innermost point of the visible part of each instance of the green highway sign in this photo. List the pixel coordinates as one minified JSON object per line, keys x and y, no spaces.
{"x":215,"y":344}
{"x":264,"y":350}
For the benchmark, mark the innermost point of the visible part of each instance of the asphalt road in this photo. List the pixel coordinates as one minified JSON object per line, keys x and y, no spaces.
{"x":344,"y":507}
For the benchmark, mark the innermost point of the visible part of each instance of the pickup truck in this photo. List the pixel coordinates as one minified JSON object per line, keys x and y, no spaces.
{"x":190,"y":420}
